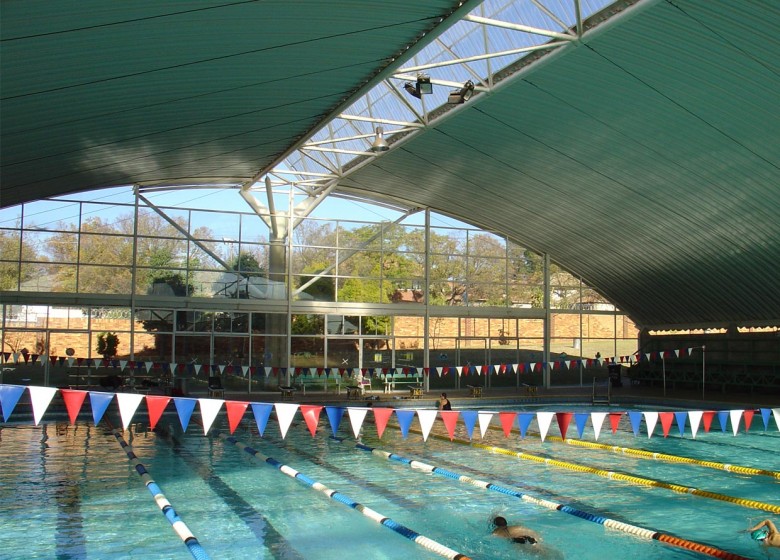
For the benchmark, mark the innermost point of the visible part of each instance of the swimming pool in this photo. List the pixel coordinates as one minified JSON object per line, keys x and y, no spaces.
{"x":70,"y":492}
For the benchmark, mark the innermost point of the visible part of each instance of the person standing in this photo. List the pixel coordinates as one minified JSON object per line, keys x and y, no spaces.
{"x":444,"y":402}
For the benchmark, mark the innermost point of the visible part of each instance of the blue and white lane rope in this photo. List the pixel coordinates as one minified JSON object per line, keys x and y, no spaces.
{"x":640,"y":532}
{"x":413,"y":536}
{"x":192,"y":544}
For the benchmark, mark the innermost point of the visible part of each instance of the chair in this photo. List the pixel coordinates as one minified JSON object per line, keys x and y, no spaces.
{"x":287,"y":392}
{"x":215,"y":387}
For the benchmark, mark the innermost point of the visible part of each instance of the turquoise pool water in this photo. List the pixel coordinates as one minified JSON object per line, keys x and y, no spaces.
{"x":69,"y":492}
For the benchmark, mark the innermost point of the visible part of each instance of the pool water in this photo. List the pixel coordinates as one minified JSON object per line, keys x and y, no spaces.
{"x":70,"y":492}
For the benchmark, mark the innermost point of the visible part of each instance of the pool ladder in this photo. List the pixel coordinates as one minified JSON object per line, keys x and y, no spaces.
{"x":601,"y":399}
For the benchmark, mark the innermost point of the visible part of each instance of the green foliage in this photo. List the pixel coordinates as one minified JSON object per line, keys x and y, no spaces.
{"x":245,"y":263}
{"x":107,"y":344}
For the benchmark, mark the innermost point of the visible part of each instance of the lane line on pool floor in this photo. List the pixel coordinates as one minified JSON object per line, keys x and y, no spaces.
{"x":611,"y":475}
{"x":413,"y":536}
{"x":646,"y":534}
{"x":644,"y":454}
{"x":196,"y":550}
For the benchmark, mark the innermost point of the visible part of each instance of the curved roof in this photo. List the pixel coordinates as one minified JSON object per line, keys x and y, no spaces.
{"x":643,"y":158}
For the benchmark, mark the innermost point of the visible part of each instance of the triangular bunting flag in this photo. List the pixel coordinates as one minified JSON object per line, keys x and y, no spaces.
{"x":99,"y":402}
{"x":614,"y":420}
{"x":524,"y":420}
{"x":695,"y":417}
{"x":581,"y":419}
{"x":666,"y":421}
{"x":563,"y":419}
{"x":235,"y":412}
{"x":9,"y":397}
{"x":156,"y":405}
{"x":311,"y":415}
{"x":284,"y":414}
{"x":544,"y":419}
{"x":507,"y":420}
{"x":470,"y":420}
{"x":262,"y":412}
{"x":405,"y":418}
{"x":128,"y":404}
{"x":74,"y":400}
{"x":736,"y":416}
{"x":597,"y":419}
{"x":40,"y":397}
{"x":335,"y":414}
{"x":184,"y":408}
{"x":209,"y":408}
{"x":707,"y":417}
{"x":635,"y":417}
{"x":484,"y":422}
{"x":381,"y":416}
{"x":426,"y":417}
{"x":681,"y":417}
{"x":357,"y":415}
{"x":450,"y":419}
{"x":651,"y":419}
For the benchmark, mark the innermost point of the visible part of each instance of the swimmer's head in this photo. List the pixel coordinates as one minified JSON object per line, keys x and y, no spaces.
{"x":499,"y":521}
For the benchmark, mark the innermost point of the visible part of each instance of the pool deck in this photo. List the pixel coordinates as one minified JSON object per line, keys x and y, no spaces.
{"x":504,"y":396}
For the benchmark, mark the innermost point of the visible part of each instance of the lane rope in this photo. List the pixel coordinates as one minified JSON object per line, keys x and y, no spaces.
{"x":754,"y":504}
{"x":644,"y":454}
{"x":181,"y":529}
{"x":413,"y":536}
{"x":640,"y":532}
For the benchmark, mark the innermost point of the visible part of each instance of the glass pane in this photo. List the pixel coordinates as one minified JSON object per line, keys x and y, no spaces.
{"x":105,"y":280}
{"x":307,"y":351}
{"x":193,"y":349}
{"x":110,"y":318}
{"x":155,"y":320}
{"x":231,"y":322}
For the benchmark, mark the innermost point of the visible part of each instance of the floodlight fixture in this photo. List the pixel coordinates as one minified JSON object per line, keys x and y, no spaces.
{"x":422,"y":86}
{"x":380,"y":144}
{"x":458,"y":96}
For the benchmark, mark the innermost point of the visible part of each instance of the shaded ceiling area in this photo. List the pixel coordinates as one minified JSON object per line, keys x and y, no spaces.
{"x":100,"y":93}
{"x":645,"y":158}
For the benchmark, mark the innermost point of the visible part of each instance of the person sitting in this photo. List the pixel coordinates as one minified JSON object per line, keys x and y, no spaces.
{"x":444,"y":402}
{"x":766,"y":533}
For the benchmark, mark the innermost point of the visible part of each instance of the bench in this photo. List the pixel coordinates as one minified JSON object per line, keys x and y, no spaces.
{"x":306,"y":381}
{"x":287,"y":392}
{"x":474,"y":391}
{"x":391,"y":382}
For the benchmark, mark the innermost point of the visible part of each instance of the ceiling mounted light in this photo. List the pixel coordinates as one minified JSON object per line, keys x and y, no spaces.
{"x":380,"y":144}
{"x":461,"y":95}
{"x":422,"y":86}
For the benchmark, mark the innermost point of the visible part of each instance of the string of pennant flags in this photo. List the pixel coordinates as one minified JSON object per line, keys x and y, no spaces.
{"x":190,"y":368}
{"x":209,"y":408}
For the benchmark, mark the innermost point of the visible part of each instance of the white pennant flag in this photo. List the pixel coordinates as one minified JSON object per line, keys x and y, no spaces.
{"x":357,"y":416}
{"x":677,"y":353}
{"x":209,"y":408}
{"x":567,"y":363}
{"x":776,"y":415}
{"x":736,"y":416}
{"x":122,"y":365}
{"x":70,"y":361}
{"x":459,"y":370}
{"x":148,"y":366}
{"x":267,"y":373}
{"x":427,"y":417}
{"x":651,"y":419}
{"x":484,"y":422}
{"x":128,"y":404}
{"x":597,"y":419}
{"x":647,"y":356}
{"x":695,"y":417}
{"x":245,"y":370}
{"x":439,"y":369}
{"x":533,"y":366}
{"x":16,"y":357}
{"x":198,"y":367}
{"x":98,"y":362}
{"x":284,"y":414}
{"x":40,"y":398}
{"x":222,"y":368}
{"x":544,"y":419}
{"x":312,"y":371}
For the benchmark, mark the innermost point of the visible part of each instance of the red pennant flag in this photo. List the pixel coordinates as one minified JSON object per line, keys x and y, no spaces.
{"x":450,"y":419}
{"x":311,"y":413}
{"x":53,"y":360}
{"x":79,"y":361}
{"x":748,"y":416}
{"x":564,"y":419}
{"x":156,"y":404}
{"x":235,"y":412}
{"x":26,"y":357}
{"x":6,"y":356}
{"x":381,"y":416}
{"x":73,"y":401}
{"x":614,"y":420}
{"x":666,"y":421}
{"x":507,"y":420}
{"x":445,"y":370}
{"x":706,"y":419}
